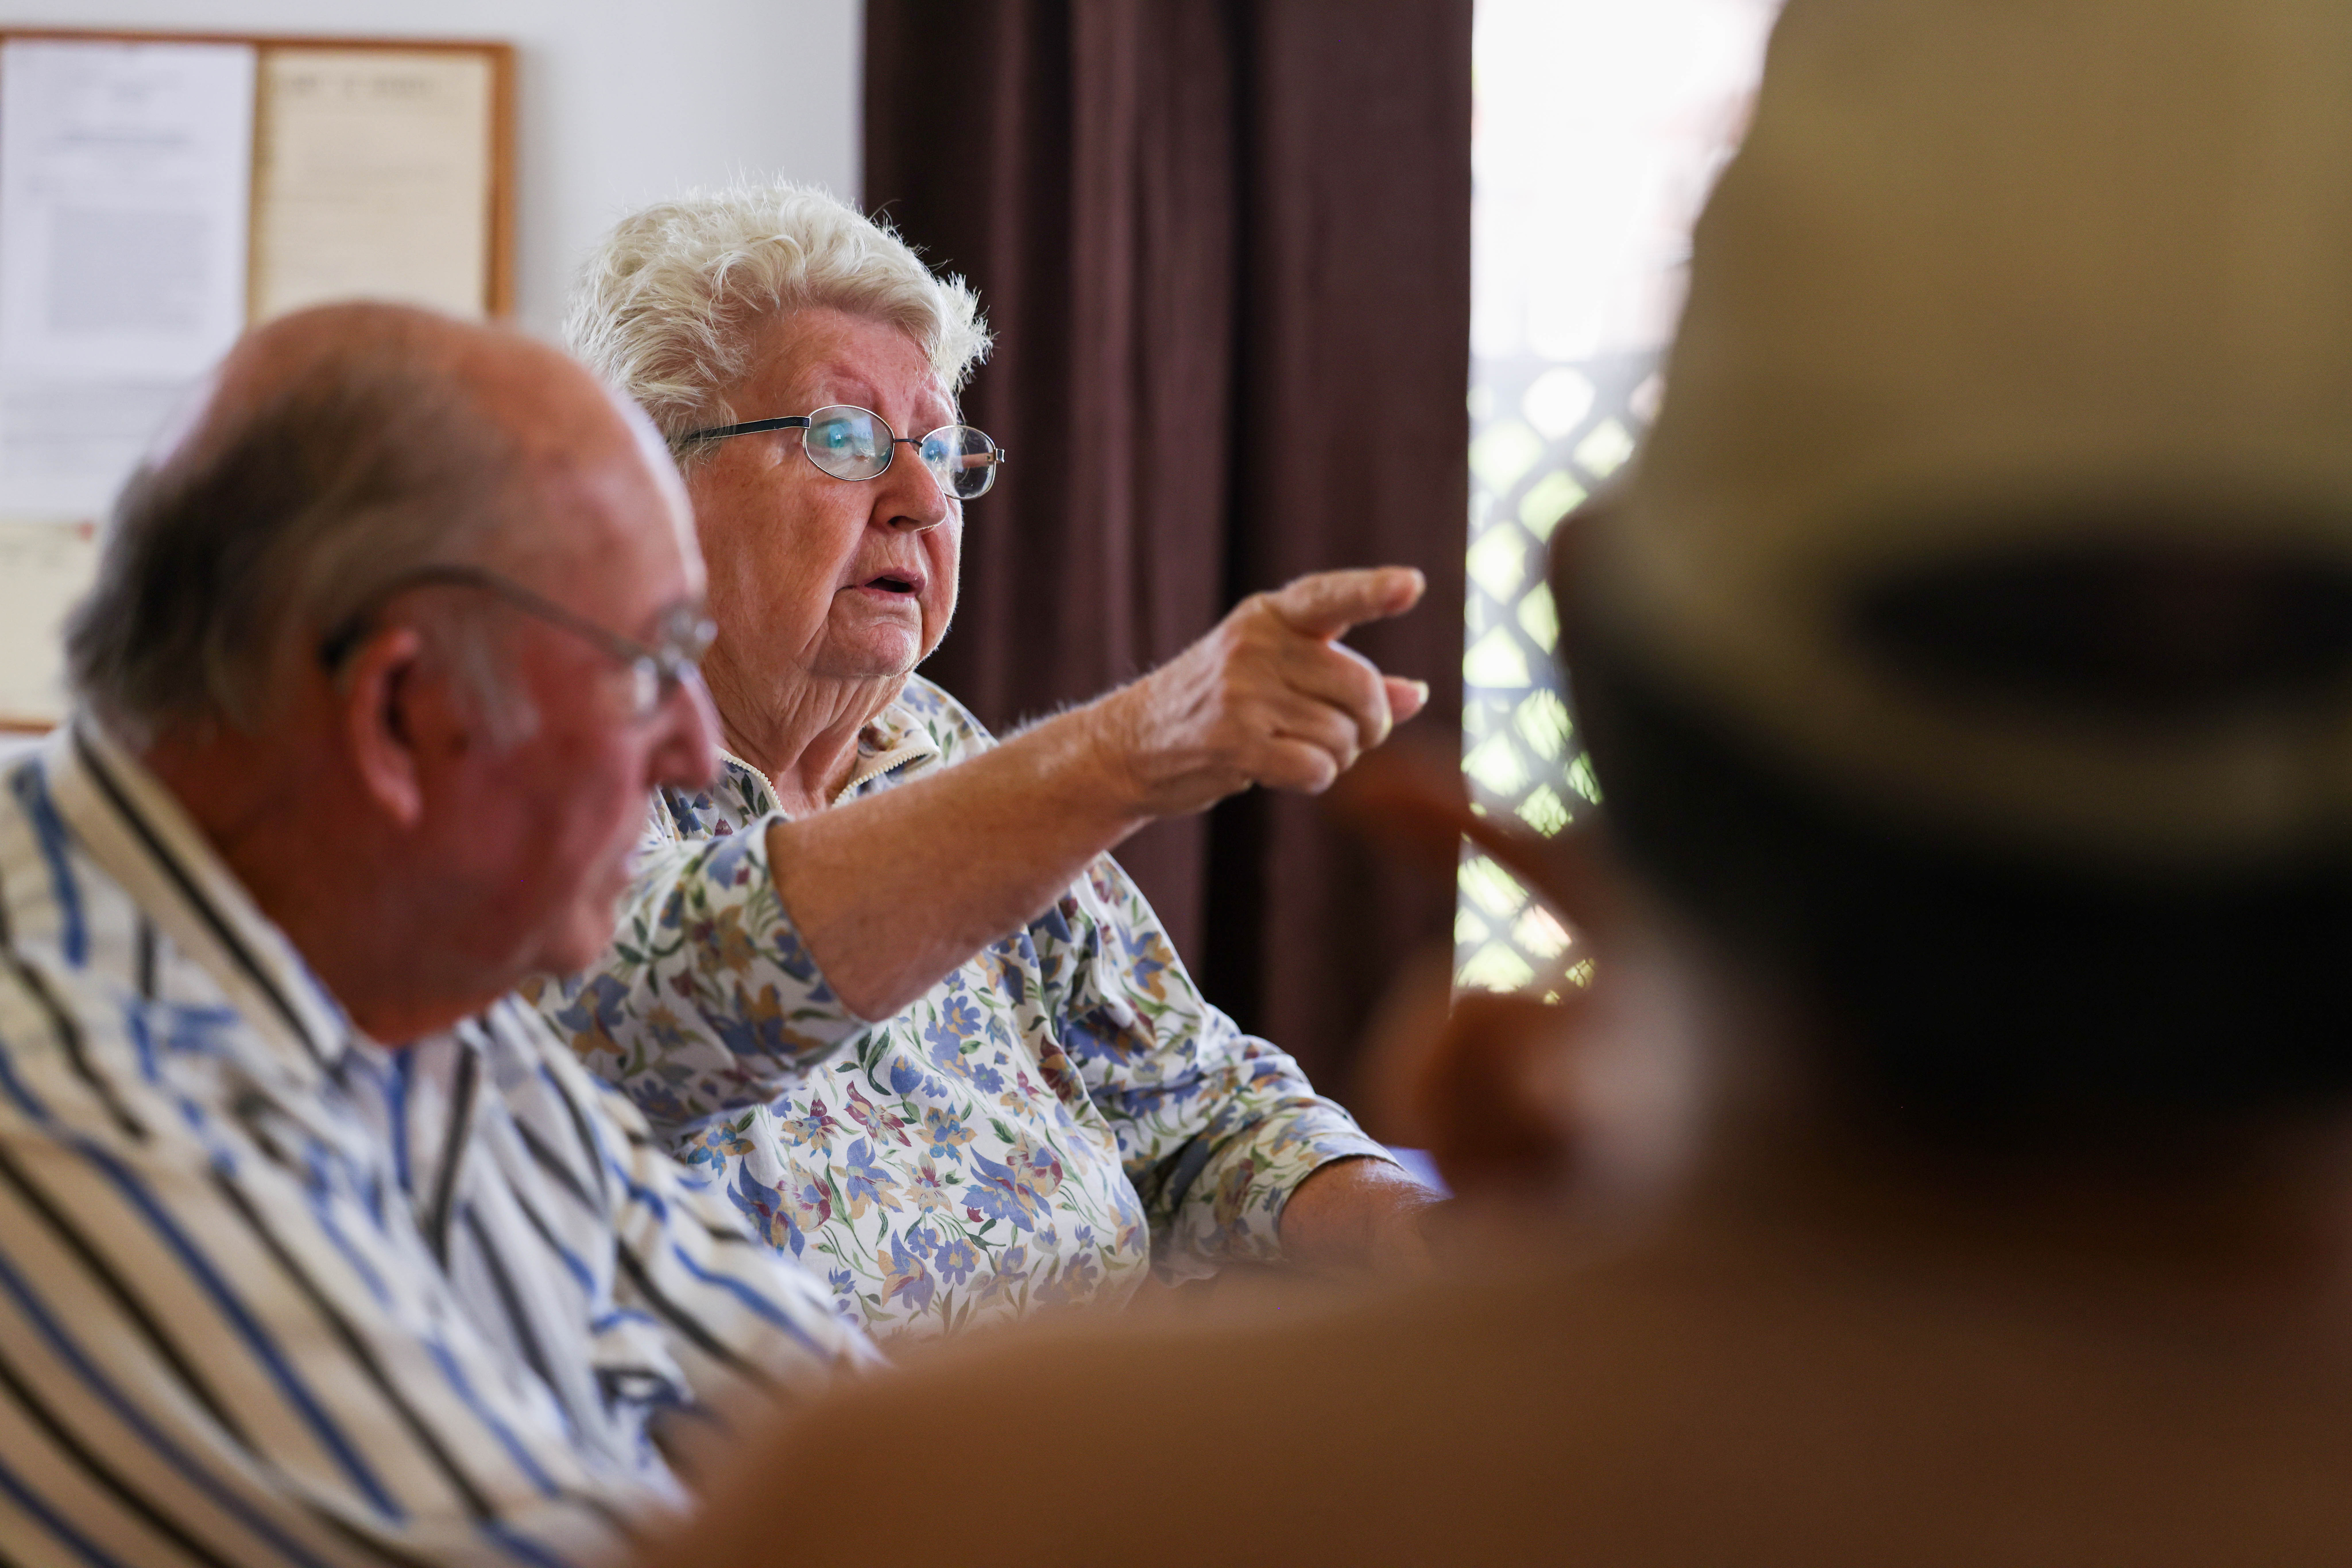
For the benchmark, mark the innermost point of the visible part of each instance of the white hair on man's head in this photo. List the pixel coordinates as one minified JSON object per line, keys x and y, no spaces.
{"x":668,"y":299}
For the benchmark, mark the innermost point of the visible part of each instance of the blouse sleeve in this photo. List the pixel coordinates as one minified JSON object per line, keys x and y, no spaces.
{"x":707,"y":1002}
{"x":1216,"y":1128}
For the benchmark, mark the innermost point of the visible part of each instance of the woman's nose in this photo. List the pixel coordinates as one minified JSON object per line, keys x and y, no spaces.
{"x":920,"y":503}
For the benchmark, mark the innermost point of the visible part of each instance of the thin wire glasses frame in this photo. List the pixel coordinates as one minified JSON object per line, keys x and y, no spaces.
{"x":962,"y":459}
{"x":655,"y":670}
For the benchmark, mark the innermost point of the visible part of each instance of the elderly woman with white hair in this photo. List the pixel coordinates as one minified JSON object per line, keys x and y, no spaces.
{"x":882,"y":979}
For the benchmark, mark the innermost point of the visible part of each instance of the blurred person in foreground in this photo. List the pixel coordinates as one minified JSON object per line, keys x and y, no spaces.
{"x":316,"y":1247}
{"x":882,"y":977}
{"x":1968,"y":666}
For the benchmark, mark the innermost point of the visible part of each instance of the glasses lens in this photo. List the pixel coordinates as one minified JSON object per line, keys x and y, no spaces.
{"x":847,"y":443}
{"x":686,"y":635}
{"x":647,"y":687}
{"x":962,"y":459}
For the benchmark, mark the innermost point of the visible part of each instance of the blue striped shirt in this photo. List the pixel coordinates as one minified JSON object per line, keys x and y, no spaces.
{"x":270,"y":1293}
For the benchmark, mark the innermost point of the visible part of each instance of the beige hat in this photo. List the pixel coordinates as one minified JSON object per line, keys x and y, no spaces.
{"x":1978,"y":257}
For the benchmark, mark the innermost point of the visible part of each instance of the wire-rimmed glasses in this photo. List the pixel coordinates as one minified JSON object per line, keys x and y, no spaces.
{"x":852,"y":443}
{"x":655,"y":670}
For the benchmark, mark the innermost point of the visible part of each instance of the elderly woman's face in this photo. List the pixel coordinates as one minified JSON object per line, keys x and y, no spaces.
{"x":811,"y":576}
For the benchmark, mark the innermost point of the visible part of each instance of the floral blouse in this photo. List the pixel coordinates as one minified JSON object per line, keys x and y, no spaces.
{"x":1052,"y":1120}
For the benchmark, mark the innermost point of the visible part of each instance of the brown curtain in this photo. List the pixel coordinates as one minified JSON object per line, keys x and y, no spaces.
{"x":1225,"y":249}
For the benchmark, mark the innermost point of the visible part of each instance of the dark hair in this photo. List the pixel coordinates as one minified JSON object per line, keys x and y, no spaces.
{"x":1983,"y":987}
{"x":244,"y":545}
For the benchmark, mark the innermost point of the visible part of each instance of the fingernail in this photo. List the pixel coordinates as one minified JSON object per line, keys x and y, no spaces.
{"x":1420,"y":689}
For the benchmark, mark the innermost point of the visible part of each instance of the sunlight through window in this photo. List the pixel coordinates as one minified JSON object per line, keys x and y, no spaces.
{"x":1598,"y":127}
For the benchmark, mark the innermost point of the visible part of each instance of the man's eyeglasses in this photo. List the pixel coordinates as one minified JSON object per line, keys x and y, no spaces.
{"x":655,"y":670}
{"x":852,"y":443}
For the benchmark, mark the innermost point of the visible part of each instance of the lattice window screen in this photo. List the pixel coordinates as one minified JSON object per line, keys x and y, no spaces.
{"x":1543,"y":435}
{"x":1600,"y":125}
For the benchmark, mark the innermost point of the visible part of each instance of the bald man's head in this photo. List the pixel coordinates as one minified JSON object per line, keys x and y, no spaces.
{"x":332,"y":452}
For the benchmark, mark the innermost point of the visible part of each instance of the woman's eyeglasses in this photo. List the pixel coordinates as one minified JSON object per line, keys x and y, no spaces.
{"x":851,"y":443}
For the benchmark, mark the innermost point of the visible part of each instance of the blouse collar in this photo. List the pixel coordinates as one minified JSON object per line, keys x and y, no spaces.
{"x":893,"y":743}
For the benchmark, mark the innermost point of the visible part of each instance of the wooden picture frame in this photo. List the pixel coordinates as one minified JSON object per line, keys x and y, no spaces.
{"x":498,"y":295}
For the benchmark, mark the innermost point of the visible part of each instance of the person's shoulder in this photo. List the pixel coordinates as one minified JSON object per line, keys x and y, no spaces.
{"x":952,"y":727}
{"x":91,"y":1066}
{"x":61,"y":918}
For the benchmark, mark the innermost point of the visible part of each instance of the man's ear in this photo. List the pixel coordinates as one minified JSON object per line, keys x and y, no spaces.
{"x":380,"y":692}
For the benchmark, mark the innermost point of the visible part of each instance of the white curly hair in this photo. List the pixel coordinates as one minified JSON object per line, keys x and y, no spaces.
{"x":667,"y":300}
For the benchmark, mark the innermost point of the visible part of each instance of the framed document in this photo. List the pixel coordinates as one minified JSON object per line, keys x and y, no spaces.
{"x":373,"y":175}
{"x":161,"y":192}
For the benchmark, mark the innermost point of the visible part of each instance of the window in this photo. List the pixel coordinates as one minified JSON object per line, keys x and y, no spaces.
{"x":1598,"y":126}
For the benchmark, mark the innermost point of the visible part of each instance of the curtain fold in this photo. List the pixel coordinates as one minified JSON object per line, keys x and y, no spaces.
{"x":1225,"y":249}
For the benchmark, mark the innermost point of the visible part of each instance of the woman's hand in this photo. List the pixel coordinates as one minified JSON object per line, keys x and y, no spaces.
{"x":892,"y":891}
{"x":1271,"y":696}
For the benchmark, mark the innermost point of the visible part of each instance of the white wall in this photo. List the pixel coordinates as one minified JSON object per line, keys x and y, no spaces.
{"x":617,"y":103}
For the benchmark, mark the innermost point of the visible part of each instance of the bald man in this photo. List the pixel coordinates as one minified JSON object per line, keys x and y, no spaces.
{"x":314,"y":1247}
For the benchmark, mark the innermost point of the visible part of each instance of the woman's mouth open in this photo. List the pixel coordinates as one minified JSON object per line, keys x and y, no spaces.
{"x":892,"y":587}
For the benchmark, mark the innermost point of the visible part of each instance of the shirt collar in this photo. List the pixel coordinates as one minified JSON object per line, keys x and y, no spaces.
{"x":139,"y":833}
{"x":894,"y":742}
